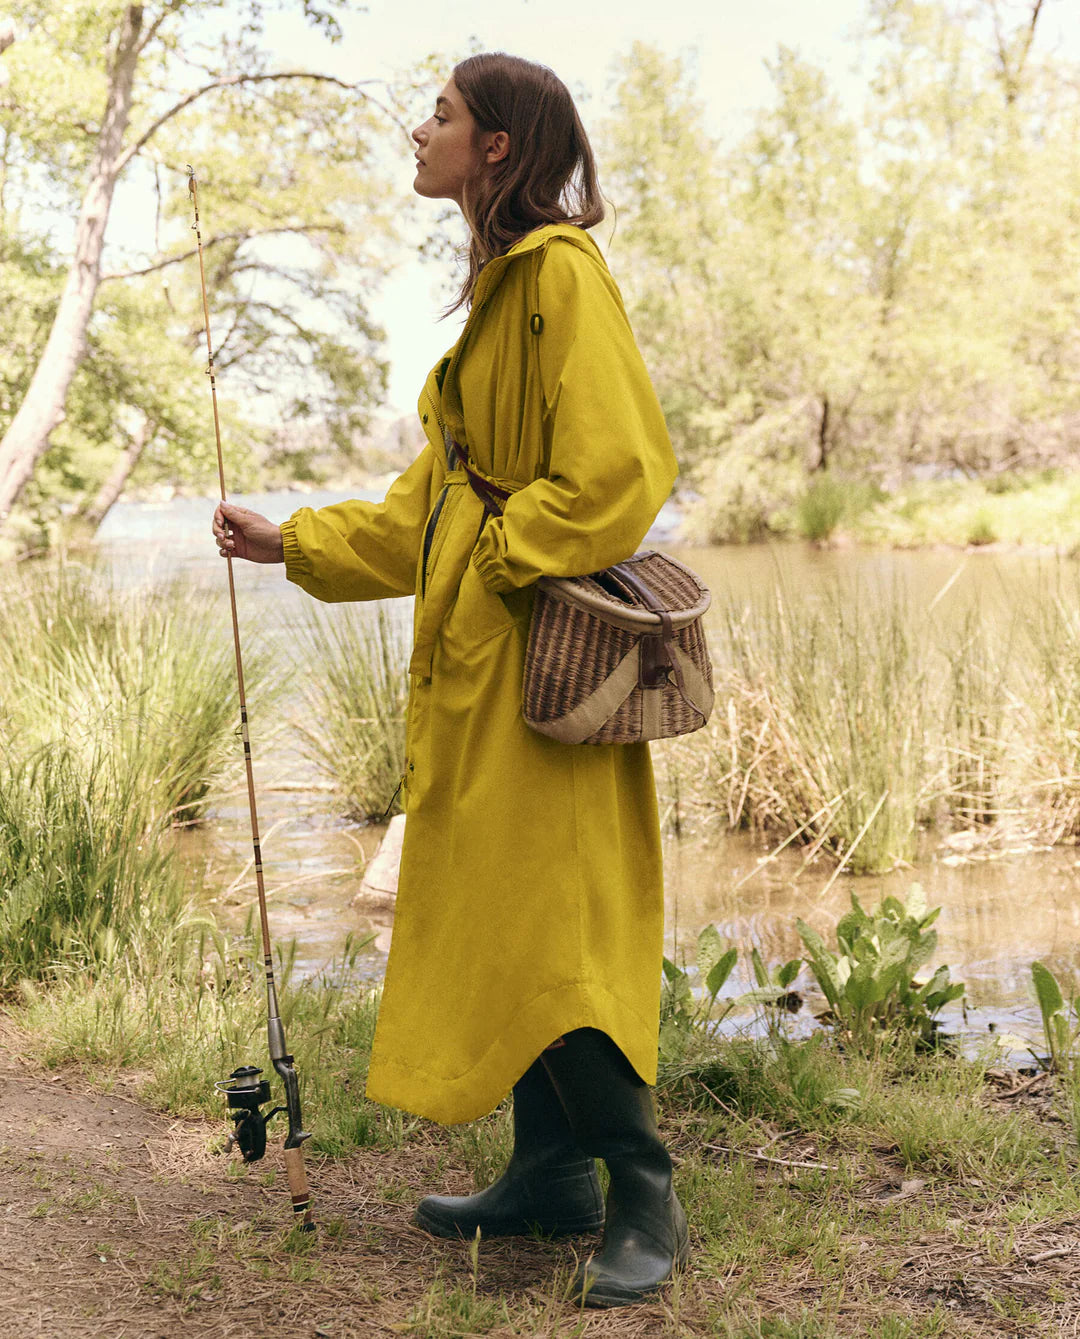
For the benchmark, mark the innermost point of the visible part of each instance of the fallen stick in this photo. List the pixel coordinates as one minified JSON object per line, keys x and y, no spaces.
{"x":1022,"y":1088}
{"x":779,"y":1162}
{"x":1055,"y":1254}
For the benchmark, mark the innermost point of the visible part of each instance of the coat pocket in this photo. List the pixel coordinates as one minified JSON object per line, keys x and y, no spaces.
{"x":478,"y":615}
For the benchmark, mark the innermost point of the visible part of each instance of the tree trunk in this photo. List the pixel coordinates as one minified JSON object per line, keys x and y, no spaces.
{"x":823,"y":436}
{"x":43,"y":407}
{"x":93,"y":513}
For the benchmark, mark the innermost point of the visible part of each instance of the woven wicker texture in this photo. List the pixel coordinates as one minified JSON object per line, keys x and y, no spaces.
{"x":572,"y":651}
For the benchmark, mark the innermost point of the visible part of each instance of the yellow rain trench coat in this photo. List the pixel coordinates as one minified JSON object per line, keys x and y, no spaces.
{"x":530,"y":898}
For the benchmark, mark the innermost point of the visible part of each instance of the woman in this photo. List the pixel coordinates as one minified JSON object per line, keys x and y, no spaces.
{"x":527,"y":938}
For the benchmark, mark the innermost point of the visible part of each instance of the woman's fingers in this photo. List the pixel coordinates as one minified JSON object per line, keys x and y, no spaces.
{"x":222,"y":531}
{"x":241,"y":533}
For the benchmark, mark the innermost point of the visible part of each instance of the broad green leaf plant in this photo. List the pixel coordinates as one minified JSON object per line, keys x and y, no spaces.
{"x":871,"y":984}
{"x":690,"y":1003}
{"x":1061,"y":1029}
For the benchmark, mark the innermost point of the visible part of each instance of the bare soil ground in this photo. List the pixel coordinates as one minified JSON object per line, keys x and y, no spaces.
{"x":118,"y":1222}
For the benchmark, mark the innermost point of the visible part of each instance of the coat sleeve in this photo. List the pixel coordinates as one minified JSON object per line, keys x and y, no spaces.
{"x":611,"y":465}
{"x":364,"y":550}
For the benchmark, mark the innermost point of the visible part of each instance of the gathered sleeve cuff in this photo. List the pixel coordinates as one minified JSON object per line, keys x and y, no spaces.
{"x":364,"y":550}
{"x":610,"y":461}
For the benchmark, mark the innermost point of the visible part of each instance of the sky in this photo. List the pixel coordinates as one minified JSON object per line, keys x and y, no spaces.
{"x":579,"y":39}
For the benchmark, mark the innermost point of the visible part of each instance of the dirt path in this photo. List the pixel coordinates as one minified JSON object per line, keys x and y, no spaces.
{"x":115,"y":1222}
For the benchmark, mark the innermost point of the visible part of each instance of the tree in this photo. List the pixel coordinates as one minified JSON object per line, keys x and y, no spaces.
{"x":121,"y":95}
{"x":867,"y":293}
{"x":738,"y":267}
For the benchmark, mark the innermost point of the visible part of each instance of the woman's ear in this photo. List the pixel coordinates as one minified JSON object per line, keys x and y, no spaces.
{"x":498,"y":146}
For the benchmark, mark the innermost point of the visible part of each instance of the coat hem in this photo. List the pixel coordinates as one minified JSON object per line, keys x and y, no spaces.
{"x":466,"y":1097}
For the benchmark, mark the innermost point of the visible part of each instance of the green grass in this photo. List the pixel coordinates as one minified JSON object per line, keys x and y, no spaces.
{"x":144,"y":676}
{"x":852,"y":720}
{"x":86,"y":878}
{"x":354,"y":722}
{"x":826,"y":723}
{"x":829,"y":502}
{"x":812,"y":1177}
{"x":1038,"y":509}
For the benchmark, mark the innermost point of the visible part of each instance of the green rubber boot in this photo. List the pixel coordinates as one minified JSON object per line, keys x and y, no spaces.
{"x":549,"y":1185}
{"x":611,"y":1114}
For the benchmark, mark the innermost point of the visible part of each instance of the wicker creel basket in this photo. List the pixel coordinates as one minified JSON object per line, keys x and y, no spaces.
{"x":619,"y":656}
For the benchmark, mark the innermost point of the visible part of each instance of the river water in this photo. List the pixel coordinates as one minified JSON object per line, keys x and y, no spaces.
{"x":998,"y":914}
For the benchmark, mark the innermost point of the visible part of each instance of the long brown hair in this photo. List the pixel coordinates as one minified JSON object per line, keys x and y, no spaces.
{"x":548,"y":175}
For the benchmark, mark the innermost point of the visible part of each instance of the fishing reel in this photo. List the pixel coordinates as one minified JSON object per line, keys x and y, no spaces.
{"x":246,"y":1093}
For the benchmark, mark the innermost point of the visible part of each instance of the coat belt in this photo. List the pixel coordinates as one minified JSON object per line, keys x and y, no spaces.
{"x":465,"y":517}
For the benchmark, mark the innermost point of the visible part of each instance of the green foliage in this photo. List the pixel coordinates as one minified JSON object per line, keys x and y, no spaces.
{"x":357,"y":692}
{"x":870,"y":984}
{"x":776,"y":982}
{"x":981,"y":530}
{"x":821,"y":508}
{"x":829,"y":502}
{"x":845,"y":291}
{"x":804,"y":1081}
{"x":1059,"y":1029}
{"x":296,"y":227}
{"x":117,"y":713}
{"x":691,"y":1011}
{"x":151,"y":682}
{"x":78,"y":851}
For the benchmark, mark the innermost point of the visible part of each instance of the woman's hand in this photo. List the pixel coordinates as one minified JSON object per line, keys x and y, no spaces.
{"x":241,"y":533}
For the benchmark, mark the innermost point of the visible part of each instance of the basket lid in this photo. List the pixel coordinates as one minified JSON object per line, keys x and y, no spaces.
{"x":678,"y":590}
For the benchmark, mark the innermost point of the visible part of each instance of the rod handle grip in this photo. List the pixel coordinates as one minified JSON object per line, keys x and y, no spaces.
{"x":298,"y":1189}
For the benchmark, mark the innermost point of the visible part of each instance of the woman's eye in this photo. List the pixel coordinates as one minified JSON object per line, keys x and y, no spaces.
{"x":439,"y":120}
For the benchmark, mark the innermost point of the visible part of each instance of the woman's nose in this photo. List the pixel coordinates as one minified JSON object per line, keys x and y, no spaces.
{"x":417,"y":134}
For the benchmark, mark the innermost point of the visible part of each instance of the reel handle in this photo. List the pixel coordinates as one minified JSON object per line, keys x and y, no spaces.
{"x":296,"y":1174}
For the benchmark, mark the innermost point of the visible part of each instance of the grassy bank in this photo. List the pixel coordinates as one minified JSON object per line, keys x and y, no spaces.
{"x":1033,"y":509}
{"x":895,"y":1194}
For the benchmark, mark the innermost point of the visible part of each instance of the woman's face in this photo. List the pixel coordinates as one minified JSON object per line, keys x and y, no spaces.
{"x":449,"y":152}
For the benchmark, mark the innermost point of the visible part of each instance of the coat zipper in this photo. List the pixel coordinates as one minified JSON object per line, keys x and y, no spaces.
{"x":429,"y":535}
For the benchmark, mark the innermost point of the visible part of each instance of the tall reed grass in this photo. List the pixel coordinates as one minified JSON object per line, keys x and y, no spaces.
{"x":142,"y":675}
{"x":822,"y":726}
{"x":117,"y":713}
{"x":854,"y":720}
{"x":83,"y":872}
{"x":356,"y":696}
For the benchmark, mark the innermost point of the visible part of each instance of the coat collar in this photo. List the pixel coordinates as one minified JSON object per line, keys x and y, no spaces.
{"x":490,"y":278}
{"x":530,"y":243}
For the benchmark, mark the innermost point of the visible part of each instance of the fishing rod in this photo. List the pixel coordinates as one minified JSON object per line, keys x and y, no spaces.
{"x":245,"y":1091}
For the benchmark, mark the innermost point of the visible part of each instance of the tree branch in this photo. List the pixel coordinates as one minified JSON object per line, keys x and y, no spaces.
{"x":1036,"y":10}
{"x":151,"y":32}
{"x":233,"y":81}
{"x":242,"y":236}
